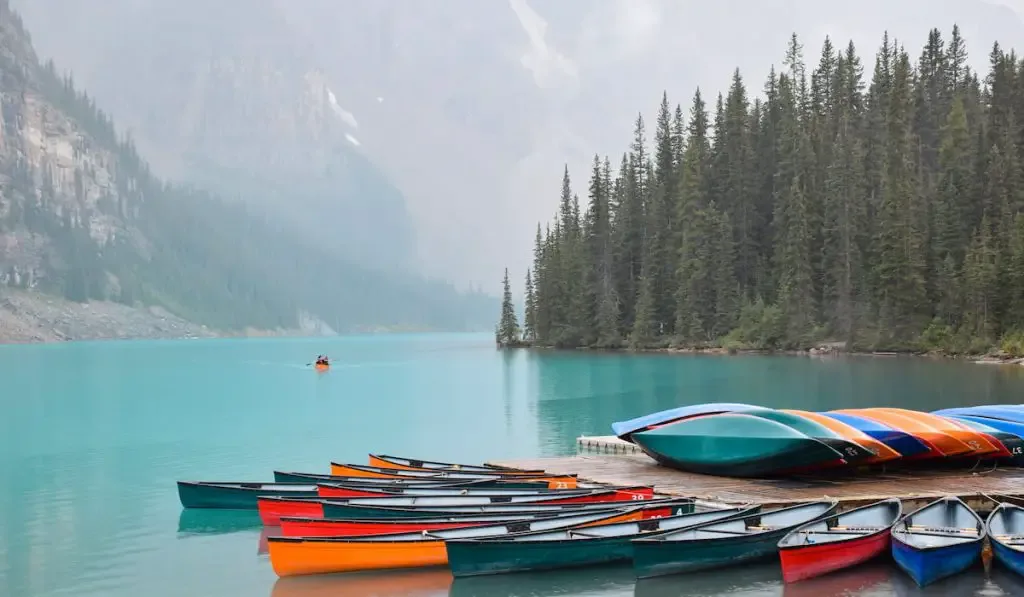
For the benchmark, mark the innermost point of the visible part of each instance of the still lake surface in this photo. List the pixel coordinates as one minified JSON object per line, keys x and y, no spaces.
{"x":94,"y":435}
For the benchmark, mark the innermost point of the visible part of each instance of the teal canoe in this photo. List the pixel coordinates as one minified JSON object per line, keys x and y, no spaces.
{"x":735,"y":445}
{"x":546,"y":550}
{"x":852,"y":453}
{"x":231,"y":495}
{"x":749,"y":538}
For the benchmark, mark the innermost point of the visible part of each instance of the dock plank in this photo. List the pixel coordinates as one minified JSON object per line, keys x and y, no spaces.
{"x":912,"y":487}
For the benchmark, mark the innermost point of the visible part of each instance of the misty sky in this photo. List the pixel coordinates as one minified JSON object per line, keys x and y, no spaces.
{"x":472,"y":107}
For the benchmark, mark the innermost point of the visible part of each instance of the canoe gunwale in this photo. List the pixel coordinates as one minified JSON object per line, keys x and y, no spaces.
{"x":666,"y":539}
{"x":858,"y":535}
{"x":897,"y":532}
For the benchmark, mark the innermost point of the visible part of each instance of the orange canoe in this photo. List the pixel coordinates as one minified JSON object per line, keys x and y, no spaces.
{"x":942,"y":443}
{"x":882,"y":452}
{"x":356,"y":470}
{"x":290,"y":556}
{"x":411,"y":464}
{"x":975,"y":440}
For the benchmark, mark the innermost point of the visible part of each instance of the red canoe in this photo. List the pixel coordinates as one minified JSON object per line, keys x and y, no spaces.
{"x":838,"y":542}
{"x":272,"y":509}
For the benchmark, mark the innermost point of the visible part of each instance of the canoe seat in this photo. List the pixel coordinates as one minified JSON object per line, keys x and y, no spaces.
{"x":759,"y":527}
{"x":943,"y":530}
{"x":840,"y":527}
{"x":586,"y":535}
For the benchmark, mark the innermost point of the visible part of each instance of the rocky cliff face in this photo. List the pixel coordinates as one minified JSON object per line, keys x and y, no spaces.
{"x":53,"y":174}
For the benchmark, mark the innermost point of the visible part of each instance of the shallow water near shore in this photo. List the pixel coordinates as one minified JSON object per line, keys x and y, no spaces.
{"x":94,"y":435}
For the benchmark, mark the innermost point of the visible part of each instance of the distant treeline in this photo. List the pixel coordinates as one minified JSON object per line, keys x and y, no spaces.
{"x":885,"y":214}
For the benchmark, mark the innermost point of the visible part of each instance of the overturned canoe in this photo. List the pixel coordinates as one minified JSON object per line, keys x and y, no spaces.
{"x":879,"y":450}
{"x":596,"y":544}
{"x":749,"y":538}
{"x":237,"y":495}
{"x":625,"y":429}
{"x":838,"y":542}
{"x":733,"y":444}
{"x":938,"y":540}
{"x":939,"y":443}
{"x":321,"y":555}
{"x":397,"y":462}
{"x":909,"y":447}
{"x":852,"y":453}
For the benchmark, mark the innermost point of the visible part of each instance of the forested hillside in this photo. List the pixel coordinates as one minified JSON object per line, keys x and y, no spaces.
{"x":877,"y":204}
{"x":82,"y":216}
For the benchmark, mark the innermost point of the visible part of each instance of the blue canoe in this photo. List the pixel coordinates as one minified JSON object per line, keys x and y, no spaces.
{"x":1004,"y":412}
{"x":1000,"y":424}
{"x":938,"y":540}
{"x":625,"y":429}
{"x":904,"y":443}
{"x":1005,"y":528}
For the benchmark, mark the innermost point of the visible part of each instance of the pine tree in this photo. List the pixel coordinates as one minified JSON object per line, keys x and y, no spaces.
{"x":507,"y":331}
{"x":529,"y":315}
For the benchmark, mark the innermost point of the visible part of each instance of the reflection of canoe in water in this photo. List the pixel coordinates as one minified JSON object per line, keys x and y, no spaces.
{"x":392,"y":583}
{"x":217,"y":522}
{"x":862,"y":580}
{"x":753,"y":579}
{"x":606,"y":580}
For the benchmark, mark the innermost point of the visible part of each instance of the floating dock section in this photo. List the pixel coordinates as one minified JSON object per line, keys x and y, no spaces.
{"x":605,"y":460}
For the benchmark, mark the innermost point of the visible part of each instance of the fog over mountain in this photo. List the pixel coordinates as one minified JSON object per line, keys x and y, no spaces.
{"x":431,"y":135}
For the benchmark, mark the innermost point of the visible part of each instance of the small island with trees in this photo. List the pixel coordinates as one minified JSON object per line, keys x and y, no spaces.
{"x":883,"y":215}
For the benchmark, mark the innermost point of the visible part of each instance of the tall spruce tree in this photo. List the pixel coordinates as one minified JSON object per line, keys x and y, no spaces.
{"x":507,"y":333}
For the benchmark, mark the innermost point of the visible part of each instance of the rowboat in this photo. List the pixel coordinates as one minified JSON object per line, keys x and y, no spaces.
{"x":909,"y":447}
{"x":272,"y":509}
{"x":938,"y":540}
{"x":734,"y":444}
{"x":320,"y":555}
{"x":748,"y":538}
{"x":852,"y":453}
{"x":438,"y":481}
{"x":838,"y":542}
{"x":881,"y":452}
{"x":356,"y":470}
{"x":237,"y":495}
{"x":940,"y":443}
{"x":625,"y":429}
{"x":333,"y":490}
{"x":293,"y":526}
{"x":597,"y":544}
{"x":397,"y":462}
{"x":1005,"y":529}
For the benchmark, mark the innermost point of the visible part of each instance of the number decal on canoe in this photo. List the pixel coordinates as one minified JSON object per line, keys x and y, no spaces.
{"x":1018,"y":450}
{"x":636,"y":496}
{"x":561,"y":485}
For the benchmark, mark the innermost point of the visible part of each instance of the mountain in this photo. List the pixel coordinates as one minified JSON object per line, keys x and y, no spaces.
{"x":470,"y":107}
{"x":82,"y":216}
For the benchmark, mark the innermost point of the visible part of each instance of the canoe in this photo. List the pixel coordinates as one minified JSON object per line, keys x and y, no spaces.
{"x":1005,"y":529}
{"x":625,"y":429}
{"x":838,"y":542}
{"x":977,"y":442}
{"x":734,"y":444}
{"x":852,"y":453}
{"x":322,"y":367}
{"x":314,"y":478}
{"x":748,"y":538}
{"x":881,"y":452}
{"x":909,"y":447}
{"x":356,"y":470}
{"x":1009,"y":446}
{"x":234,"y":495}
{"x":940,"y":443}
{"x":1004,"y":412}
{"x":294,"y":526}
{"x":597,"y":544}
{"x":938,"y":540}
{"x":291,"y":556}
{"x":334,"y":490}
{"x":397,"y":462}
{"x":272,"y":509}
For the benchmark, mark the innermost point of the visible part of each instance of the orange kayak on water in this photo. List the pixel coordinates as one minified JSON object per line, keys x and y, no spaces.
{"x":882,"y":452}
{"x":290,"y":556}
{"x":940,"y":444}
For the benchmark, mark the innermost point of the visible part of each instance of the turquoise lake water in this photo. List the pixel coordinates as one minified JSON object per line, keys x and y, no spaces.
{"x":93,"y":437}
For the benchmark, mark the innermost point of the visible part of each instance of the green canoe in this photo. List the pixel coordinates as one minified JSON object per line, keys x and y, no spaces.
{"x":743,"y":539}
{"x":735,"y":445}
{"x":237,"y":495}
{"x":545,"y":550}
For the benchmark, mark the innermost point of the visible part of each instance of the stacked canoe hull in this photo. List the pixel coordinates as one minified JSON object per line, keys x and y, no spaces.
{"x":742,"y":440}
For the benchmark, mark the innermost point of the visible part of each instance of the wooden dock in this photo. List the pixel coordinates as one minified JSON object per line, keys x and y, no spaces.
{"x":914,"y":488}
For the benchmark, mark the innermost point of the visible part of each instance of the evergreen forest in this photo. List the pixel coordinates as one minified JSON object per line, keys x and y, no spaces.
{"x":876,"y":204}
